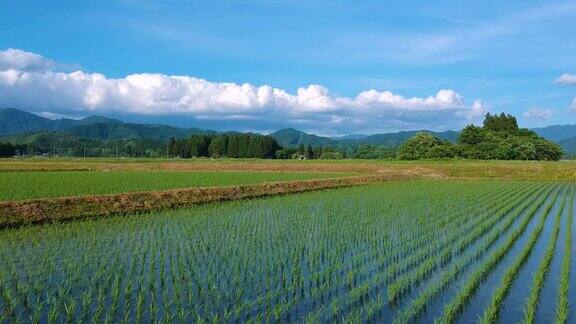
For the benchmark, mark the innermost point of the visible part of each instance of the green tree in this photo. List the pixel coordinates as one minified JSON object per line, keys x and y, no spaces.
{"x":217,"y":147}
{"x":471,"y":135}
{"x":423,"y":145}
{"x":500,"y":138}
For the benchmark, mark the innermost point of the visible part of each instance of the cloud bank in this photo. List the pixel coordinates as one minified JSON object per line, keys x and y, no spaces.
{"x":30,"y":81}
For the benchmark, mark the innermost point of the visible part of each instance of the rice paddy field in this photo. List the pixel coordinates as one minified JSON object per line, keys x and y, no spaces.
{"x":50,"y":184}
{"x":452,"y":251}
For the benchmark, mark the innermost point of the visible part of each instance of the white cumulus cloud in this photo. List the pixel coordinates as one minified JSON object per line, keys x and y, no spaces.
{"x":29,"y":81}
{"x":539,"y":113}
{"x":476,"y":112}
{"x":566,"y":78}
{"x":22,"y":60}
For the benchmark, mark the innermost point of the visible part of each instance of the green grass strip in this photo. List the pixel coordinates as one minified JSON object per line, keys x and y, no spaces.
{"x":562,"y":306}
{"x":452,"y":309}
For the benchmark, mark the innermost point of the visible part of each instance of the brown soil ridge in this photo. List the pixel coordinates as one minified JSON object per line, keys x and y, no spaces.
{"x":17,"y":213}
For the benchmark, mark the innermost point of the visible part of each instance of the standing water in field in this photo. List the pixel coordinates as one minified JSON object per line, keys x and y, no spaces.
{"x":383,"y":252}
{"x":513,"y":306}
{"x":477,"y":304}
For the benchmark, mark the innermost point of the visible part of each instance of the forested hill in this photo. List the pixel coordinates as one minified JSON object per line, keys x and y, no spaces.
{"x":21,"y":125}
{"x":14,"y":121}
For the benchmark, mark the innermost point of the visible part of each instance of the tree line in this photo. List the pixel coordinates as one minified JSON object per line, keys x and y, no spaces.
{"x":7,"y":149}
{"x":499,"y":138}
{"x":224,"y":145}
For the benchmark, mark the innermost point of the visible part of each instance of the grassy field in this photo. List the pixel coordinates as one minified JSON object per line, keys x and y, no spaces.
{"x":50,"y":184}
{"x":391,"y":252}
{"x":459,"y":169}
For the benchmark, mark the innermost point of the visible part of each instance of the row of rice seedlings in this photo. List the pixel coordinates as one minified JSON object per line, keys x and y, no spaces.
{"x":353,"y":293}
{"x":491,"y":313}
{"x":436,"y":249}
{"x":481,"y":271}
{"x":541,"y":272}
{"x":461,"y":240}
{"x":467,"y":219}
{"x":562,"y":304}
{"x":417,"y":305}
{"x":180,"y":268}
{"x":44,"y":184}
{"x":365,"y":288}
{"x":449,"y":275}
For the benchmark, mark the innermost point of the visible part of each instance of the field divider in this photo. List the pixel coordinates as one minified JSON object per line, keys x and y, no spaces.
{"x":17,"y":213}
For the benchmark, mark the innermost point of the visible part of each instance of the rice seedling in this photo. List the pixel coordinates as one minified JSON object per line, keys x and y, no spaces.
{"x":562,"y":303}
{"x":542,"y":271}
{"x":451,"y":310}
{"x":346,"y":254}
{"x":417,"y":305}
{"x":50,"y":184}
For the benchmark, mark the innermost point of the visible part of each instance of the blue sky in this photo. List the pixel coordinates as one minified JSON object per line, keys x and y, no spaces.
{"x":375,"y":66}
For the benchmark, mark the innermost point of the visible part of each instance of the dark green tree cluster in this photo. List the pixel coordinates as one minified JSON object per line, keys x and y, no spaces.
{"x":374,"y":152}
{"x":310,"y":152}
{"x":500,"y":138}
{"x":7,"y":149}
{"x":425,"y":146}
{"x":224,"y":145}
{"x":50,"y":143}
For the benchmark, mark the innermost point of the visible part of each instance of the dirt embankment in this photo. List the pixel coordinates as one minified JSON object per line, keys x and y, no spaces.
{"x":16,"y":213}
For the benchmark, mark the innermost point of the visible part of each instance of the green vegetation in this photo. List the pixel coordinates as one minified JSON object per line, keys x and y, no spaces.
{"x":425,"y":146}
{"x":562,"y":304}
{"x":29,"y":185}
{"x":62,"y":144}
{"x":380,"y":252}
{"x":499,"y":139}
{"x":370,"y":152}
{"x":446,"y":277}
{"x":231,"y":145}
{"x":540,"y":276}
{"x":7,"y":149}
{"x":482,"y":270}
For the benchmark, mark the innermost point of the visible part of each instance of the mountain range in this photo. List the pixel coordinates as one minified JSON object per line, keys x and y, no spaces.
{"x":15,"y":123}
